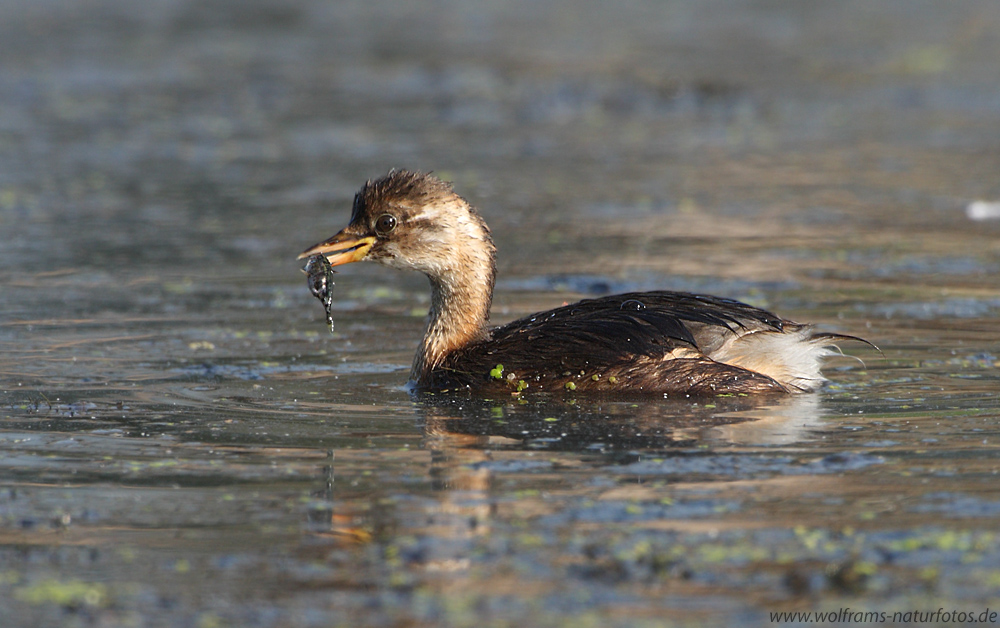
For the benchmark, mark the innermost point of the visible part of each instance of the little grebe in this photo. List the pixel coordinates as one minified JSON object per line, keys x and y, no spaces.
{"x":664,"y":342}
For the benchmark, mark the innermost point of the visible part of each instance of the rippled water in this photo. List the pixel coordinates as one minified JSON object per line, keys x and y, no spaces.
{"x":184,"y":444}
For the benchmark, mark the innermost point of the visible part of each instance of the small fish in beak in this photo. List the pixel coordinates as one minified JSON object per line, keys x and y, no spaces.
{"x":319,"y":274}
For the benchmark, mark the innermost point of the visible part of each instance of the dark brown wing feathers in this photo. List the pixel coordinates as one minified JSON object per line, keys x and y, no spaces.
{"x":616,"y":342}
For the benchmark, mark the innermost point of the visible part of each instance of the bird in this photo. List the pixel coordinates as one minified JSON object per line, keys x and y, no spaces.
{"x":676,"y":344}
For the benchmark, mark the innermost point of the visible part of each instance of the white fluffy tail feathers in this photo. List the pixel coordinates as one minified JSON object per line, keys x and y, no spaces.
{"x":793,"y":357}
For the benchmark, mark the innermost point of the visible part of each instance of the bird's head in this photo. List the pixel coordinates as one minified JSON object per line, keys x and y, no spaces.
{"x":413,"y":221}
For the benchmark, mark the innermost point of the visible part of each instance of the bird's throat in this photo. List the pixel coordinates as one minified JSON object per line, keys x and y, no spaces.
{"x":459,"y":315}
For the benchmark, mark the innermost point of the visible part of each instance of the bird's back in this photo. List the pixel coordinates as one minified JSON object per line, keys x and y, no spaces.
{"x":663,"y":342}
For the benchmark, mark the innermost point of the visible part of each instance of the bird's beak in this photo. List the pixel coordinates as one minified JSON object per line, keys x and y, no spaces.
{"x":342,"y":248}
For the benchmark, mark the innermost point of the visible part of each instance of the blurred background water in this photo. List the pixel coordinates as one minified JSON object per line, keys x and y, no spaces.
{"x":184,"y":444}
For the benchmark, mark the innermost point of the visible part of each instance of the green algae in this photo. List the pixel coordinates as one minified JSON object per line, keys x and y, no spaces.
{"x":64,"y":593}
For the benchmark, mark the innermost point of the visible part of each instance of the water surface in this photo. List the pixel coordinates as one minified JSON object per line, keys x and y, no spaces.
{"x":185,"y":444}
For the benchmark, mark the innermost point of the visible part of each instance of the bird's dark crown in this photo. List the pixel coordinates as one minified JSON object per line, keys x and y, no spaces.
{"x":404,"y":191}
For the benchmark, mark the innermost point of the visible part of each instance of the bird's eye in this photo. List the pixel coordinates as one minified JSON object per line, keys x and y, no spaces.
{"x":385,"y":223}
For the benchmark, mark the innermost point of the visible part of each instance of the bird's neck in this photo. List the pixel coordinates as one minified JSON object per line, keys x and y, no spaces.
{"x":460,"y":311}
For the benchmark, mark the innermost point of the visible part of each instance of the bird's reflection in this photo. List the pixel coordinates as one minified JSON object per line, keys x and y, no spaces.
{"x":462,"y":437}
{"x":619,"y":424}
{"x":324,"y":518}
